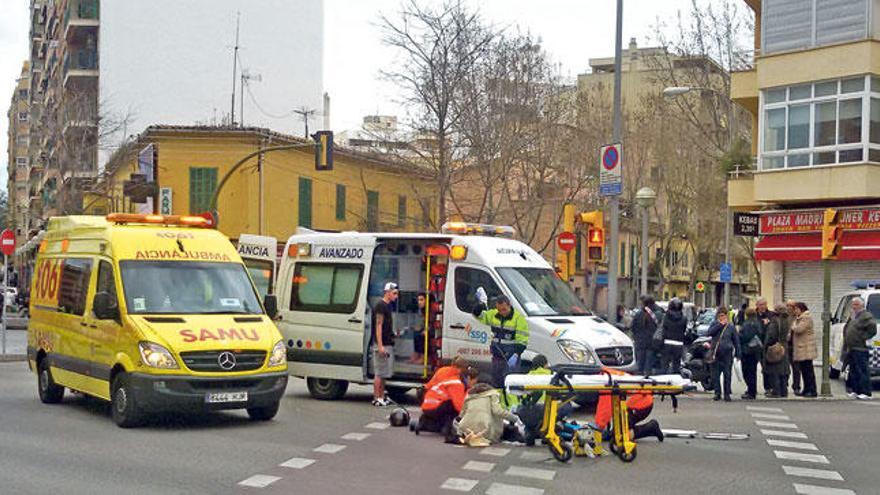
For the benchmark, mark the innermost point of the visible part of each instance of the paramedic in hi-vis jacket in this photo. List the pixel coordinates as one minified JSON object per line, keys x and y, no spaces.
{"x":510,"y":335}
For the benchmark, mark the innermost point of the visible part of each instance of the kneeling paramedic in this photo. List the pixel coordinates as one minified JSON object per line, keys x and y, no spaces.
{"x":444,"y":399}
{"x":638,"y":406}
{"x":510,"y":335}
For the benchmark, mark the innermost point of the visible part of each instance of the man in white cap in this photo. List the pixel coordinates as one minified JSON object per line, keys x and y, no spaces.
{"x":383,"y":344}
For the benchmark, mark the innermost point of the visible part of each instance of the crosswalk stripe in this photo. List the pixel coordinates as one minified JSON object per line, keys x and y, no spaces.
{"x":459,"y":484}
{"x":527,"y":472}
{"x":773,"y":424}
{"x":821,"y":474}
{"x":504,"y":489}
{"x":329,"y":448}
{"x":800,"y":456}
{"x":297,"y":463}
{"x":377,"y":426}
{"x":791,"y":445}
{"x":787,"y":434}
{"x":483,"y":467}
{"x":495,"y":451}
{"x":764,"y":409}
{"x":259,"y":481}
{"x":820,"y":490}
{"x":355,"y":436}
{"x":780,"y":417}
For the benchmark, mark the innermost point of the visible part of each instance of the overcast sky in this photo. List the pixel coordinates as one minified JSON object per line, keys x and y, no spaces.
{"x":573,"y":31}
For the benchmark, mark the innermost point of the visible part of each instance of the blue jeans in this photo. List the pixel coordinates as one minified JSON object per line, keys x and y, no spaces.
{"x":859,"y":378}
{"x":722,"y":365}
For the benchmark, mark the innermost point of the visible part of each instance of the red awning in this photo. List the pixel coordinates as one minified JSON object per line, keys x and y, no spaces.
{"x":863,"y":245}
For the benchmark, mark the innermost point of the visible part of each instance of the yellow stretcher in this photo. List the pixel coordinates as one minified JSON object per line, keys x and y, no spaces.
{"x":569,"y":380}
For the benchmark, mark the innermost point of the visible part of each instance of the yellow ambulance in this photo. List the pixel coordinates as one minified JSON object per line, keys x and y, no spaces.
{"x":152,"y":313}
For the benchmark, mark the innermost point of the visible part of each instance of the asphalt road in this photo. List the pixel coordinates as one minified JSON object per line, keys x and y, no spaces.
{"x":342,"y":447}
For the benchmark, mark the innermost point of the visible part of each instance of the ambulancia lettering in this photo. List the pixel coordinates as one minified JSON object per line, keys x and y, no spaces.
{"x":220,"y":334}
{"x":169,"y":254}
{"x":341,"y":252}
{"x":252,"y":250}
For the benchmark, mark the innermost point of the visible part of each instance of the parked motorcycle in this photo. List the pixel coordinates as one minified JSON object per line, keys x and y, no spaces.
{"x":694,"y":361}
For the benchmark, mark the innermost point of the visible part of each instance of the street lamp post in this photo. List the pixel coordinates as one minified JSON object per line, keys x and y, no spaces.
{"x":645,"y":198}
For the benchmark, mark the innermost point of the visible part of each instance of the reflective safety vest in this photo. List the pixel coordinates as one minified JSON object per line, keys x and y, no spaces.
{"x":445,"y":385}
{"x":511,"y":330}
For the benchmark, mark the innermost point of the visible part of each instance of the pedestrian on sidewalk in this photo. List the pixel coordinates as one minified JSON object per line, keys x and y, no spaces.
{"x":859,"y":328}
{"x":725,"y":347}
{"x":795,"y":371}
{"x":764,"y":317}
{"x":752,"y":351}
{"x":776,"y":362}
{"x":804,"y":348}
{"x":674,"y":326}
{"x":644,"y":325}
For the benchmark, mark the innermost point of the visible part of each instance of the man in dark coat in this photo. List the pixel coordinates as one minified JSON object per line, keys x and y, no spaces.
{"x":860,"y":327}
{"x":644,"y":325}
{"x":764,"y":317}
{"x":777,"y":332}
{"x":674,"y":327}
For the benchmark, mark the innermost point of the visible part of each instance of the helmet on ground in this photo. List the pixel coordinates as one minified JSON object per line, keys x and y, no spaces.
{"x":399,"y":417}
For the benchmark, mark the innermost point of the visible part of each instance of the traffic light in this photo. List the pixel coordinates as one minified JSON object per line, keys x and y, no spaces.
{"x":595,"y":244}
{"x":323,"y":150}
{"x":832,"y":233}
{"x":563,"y":267}
{"x":595,"y":218}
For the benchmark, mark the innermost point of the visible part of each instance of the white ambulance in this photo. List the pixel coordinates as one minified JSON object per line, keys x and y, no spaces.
{"x":328,"y":283}
{"x":869,"y":291}
{"x":260,"y":255}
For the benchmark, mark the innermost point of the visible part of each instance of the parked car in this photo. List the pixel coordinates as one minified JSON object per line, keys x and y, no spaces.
{"x":704,"y":321}
{"x":869,"y":291}
{"x":689,"y":310}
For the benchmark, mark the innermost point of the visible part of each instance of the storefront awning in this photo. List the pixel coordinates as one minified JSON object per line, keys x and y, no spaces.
{"x":857,"y":245}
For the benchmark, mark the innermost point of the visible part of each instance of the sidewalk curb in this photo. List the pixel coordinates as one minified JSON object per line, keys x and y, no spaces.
{"x":709,"y":396}
{"x":13,"y":358}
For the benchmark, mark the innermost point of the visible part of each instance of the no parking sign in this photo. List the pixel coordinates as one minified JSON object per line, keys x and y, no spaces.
{"x":610,"y":170}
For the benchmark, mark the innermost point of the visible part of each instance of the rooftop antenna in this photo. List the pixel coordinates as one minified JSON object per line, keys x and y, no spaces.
{"x":234,"y":69}
{"x":245,"y":77}
{"x":305,"y":113}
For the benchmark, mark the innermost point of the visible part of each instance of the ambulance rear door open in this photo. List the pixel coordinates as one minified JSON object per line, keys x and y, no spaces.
{"x":324,"y":305}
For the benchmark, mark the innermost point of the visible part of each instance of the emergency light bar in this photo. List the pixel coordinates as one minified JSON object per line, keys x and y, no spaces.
{"x":188,"y":221}
{"x":463,"y":228}
{"x":865,"y":284}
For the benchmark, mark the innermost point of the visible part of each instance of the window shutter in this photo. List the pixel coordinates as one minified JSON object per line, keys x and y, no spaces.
{"x":305,"y":202}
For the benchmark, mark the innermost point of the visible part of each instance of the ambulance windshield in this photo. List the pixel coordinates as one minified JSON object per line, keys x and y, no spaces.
{"x":541,"y":293}
{"x":188,"y":287}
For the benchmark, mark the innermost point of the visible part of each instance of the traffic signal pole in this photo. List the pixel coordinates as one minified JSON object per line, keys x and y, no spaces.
{"x":613,"y":202}
{"x":826,"y":328}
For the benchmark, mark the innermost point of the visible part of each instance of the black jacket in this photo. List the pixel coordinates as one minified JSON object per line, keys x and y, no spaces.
{"x":750,"y":328}
{"x":858,"y":330}
{"x":674,"y":325}
{"x":726,"y":340}
{"x":644,"y":325}
{"x":777,"y":332}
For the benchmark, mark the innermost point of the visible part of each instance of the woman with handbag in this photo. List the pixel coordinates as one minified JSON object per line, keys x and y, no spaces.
{"x":725,"y":347}
{"x":775,"y":354}
{"x":803,"y":343}
{"x":752,"y":351}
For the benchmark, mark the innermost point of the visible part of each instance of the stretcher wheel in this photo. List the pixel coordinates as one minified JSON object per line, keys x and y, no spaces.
{"x":628,"y":457}
{"x":565,"y":455}
{"x":613,"y":446}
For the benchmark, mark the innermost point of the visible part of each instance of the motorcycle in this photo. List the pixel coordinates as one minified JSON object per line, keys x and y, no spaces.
{"x":694,"y":361}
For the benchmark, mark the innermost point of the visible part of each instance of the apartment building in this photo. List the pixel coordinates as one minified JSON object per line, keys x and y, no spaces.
{"x":18,"y":159}
{"x":814,"y":95}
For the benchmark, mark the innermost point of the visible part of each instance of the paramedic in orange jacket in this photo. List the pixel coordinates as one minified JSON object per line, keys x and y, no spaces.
{"x":638,"y":405}
{"x":444,"y":398}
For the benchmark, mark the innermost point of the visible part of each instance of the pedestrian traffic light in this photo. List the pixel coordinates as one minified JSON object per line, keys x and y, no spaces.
{"x":323,"y":150}
{"x":832,"y":233}
{"x":563,"y":267}
{"x":595,"y":244}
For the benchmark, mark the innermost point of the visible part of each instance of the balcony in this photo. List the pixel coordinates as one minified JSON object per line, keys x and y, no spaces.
{"x":82,"y":63}
{"x":81,"y":18}
{"x":803,"y":186}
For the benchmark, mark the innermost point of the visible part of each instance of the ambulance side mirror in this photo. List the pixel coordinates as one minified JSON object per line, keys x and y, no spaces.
{"x":270,"y":301}
{"x":105,"y":306}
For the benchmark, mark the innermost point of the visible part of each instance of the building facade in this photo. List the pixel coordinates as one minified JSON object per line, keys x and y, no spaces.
{"x":814,"y":95}
{"x":18,"y":159}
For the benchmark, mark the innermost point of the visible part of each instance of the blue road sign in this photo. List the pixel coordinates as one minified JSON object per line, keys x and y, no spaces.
{"x":726,"y":274}
{"x":610,"y":173}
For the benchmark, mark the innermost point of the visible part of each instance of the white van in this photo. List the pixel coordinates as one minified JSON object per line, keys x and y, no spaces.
{"x":328,"y":283}
{"x":869,"y":291}
{"x":260,"y":255}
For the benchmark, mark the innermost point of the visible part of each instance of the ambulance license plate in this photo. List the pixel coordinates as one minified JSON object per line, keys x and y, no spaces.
{"x":221,"y":397}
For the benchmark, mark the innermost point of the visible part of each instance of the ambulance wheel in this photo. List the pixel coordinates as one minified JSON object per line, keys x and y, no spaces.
{"x":628,"y":457}
{"x":565,"y":455}
{"x":123,"y":405}
{"x":50,"y":393}
{"x":833,"y":373}
{"x":326,"y":388}
{"x":264,"y":413}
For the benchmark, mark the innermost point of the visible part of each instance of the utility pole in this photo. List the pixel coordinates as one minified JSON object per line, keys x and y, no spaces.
{"x":613,"y":202}
{"x":234,"y":70}
{"x":305,"y":113}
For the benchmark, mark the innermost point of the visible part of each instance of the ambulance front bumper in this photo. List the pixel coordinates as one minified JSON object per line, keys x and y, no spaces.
{"x":195,"y":393}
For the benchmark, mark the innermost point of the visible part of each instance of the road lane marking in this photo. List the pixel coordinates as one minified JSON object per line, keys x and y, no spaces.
{"x":459,"y":484}
{"x":297,"y":463}
{"x":821,"y":474}
{"x":377,"y":426}
{"x":791,"y":445}
{"x":483,"y":467}
{"x":259,"y":481}
{"x":780,"y":417}
{"x":800,"y":456}
{"x":773,"y":424}
{"x":536,"y":455}
{"x":495,"y":451}
{"x":504,"y":489}
{"x":534,"y":473}
{"x":820,"y":490}
{"x":355,"y":436}
{"x":329,"y":448}
{"x":764,"y":409}
{"x":787,"y":434}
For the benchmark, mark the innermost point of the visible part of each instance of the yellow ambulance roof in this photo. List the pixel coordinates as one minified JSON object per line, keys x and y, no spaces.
{"x":95,"y":235}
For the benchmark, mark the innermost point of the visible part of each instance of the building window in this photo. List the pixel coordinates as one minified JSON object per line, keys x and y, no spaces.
{"x":21,"y":161}
{"x":623,"y":259}
{"x":372,"y":211}
{"x":799,"y":24}
{"x":21,"y":140}
{"x":305,"y":202}
{"x":822,"y":123}
{"x":401,"y":211}
{"x":22,"y":93}
{"x":22,"y":116}
{"x":340,"y":202}
{"x":202,"y":183}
